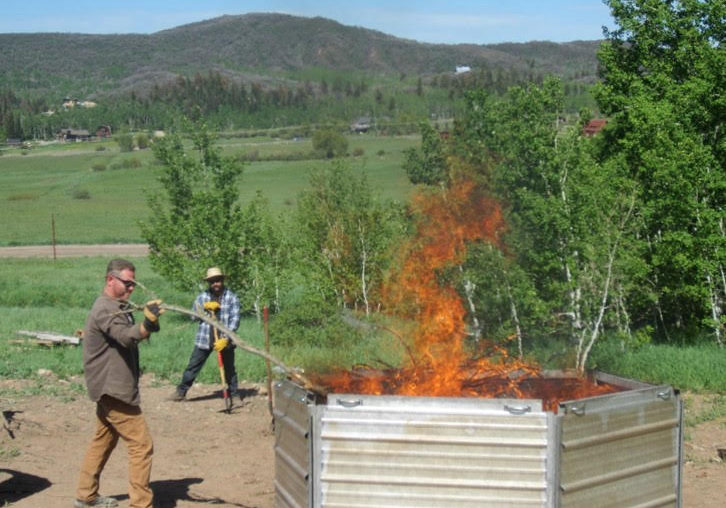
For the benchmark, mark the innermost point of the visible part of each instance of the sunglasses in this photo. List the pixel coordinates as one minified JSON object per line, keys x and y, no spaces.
{"x":128,"y":284}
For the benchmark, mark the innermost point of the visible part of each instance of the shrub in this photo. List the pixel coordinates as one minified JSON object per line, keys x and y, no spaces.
{"x":81,"y":194}
{"x":250,"y":155}
{"x":99,"y":167}
{"x":131,"y":163}
{"x":330,"y":143}
{"x":125,"y":142}
{"x":311,"y":323}
{"x":142,"y":141}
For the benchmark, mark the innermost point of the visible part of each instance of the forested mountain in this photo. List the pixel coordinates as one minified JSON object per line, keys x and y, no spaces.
{"x":255,"y":47}
{"x":259,"y":71}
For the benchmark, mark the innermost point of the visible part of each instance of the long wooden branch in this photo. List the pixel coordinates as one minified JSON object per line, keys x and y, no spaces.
{"x":294,"y":374}
{"x":202,"y":316}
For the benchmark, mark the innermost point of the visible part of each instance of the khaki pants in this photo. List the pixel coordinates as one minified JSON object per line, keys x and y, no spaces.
{"x":117,"y":419}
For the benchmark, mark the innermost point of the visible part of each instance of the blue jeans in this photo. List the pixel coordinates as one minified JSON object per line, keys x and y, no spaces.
{"x":196,"y":362}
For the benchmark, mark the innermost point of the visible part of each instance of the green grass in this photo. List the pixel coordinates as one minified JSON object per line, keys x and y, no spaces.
{"x":699,"y":368}
{"x":55,"y":296}
{"x":64,"y":186}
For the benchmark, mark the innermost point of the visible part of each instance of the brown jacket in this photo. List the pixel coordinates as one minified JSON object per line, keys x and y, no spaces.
{"x":110,"y":352}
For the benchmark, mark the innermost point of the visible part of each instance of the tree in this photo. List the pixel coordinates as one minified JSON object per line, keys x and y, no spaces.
{"x":345,"y":234}
{"x":196,"y":221}
{"x":503,"y":302}
{"x":569,"y":216}
{"x":427,"y":164}
{"x":267,"y":250}
{"x":662,"y":87}
{"x":330,"y":143}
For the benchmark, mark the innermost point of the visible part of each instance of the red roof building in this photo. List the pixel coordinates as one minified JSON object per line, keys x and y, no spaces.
{"x":594,"y":126}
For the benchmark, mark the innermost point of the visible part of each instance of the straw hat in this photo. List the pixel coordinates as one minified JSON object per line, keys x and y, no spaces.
{"x":213,"y":273}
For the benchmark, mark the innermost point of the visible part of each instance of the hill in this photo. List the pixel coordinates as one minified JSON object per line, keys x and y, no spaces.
{"x":264,"y":48}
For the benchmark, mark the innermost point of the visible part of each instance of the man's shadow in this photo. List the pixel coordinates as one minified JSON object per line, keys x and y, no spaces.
{"x":20,"y":485}
{"x":168,"y":492}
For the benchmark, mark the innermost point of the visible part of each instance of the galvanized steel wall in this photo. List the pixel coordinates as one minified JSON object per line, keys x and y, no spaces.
{"x":621,"y":450}
{"x":293,"y":443}
{"x":390,"y":451}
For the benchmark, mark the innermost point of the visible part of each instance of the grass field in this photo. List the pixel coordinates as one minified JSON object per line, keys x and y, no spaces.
{"x":55,"y":296}
{"x":94,"y":193}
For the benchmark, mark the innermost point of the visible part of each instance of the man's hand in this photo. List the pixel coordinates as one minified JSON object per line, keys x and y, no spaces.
{"x":220,"y":344}
{"x":152,"y":311}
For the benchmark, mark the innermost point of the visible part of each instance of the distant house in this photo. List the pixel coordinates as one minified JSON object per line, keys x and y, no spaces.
{"x":70,"y":102}
{"x":103,"y":131}
{"x":73,"y":135}
{"x":363,"y":124}
{"x":594,"y":126}
{"x":460,"y":69}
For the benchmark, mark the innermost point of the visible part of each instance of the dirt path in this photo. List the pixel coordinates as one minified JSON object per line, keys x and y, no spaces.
{"x":65,"y":251}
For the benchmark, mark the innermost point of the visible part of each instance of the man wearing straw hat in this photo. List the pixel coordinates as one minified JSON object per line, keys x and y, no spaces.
{"x":219,"y":300}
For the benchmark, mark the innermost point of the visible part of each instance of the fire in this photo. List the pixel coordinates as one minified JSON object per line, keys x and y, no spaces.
{"x":439,"y":363}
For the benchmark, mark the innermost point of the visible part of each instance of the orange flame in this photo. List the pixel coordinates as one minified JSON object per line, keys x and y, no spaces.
{"x":440,"y":366}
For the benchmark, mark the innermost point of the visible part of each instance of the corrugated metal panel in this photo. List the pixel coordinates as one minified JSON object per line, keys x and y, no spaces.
{"x":621,"y":450}
{"x":357,"y":451}
{"x":399,"y":452}
{"x":292,"y":446}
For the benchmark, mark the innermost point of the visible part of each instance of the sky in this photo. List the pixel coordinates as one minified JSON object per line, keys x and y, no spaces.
{"x":435,"y":21}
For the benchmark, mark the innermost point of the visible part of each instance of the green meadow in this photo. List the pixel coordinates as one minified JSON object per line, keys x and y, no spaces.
{"x":94,"y":193}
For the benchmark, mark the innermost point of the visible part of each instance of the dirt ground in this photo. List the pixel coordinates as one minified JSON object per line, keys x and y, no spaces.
{"x":204,"y":456}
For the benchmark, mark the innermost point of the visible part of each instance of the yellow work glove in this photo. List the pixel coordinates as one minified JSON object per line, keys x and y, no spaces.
{"x":211,"y":306}
{"x":152,"y":311}
{"x":220,"y":344}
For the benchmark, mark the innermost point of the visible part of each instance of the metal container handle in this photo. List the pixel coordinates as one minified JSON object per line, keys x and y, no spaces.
{"x":349,"y":403}
{"x":579,"y":410}
{"x":518,"y":410}
{"x":664,"y":395}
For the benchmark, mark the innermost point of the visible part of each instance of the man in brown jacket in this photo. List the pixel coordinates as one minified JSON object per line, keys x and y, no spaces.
{"x":111,"y":369}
